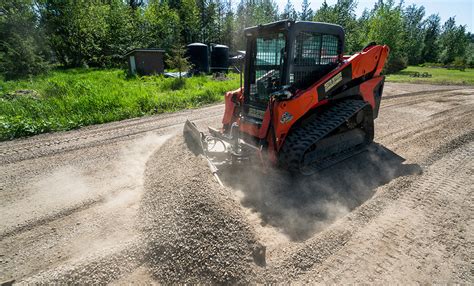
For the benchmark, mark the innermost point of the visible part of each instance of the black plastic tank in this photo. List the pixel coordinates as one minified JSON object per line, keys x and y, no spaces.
{"x":198,"y":55}
{"x":219,"y":58}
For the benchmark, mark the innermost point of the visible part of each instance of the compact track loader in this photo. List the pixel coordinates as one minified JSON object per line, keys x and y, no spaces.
{"x":303,"y":106}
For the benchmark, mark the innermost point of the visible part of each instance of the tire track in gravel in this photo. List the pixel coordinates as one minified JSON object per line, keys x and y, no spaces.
{"x":79,"y":188}
{"x":398,"y":123}
{"x":405,"y":243}
{"x":418,"y":97}
{"x":377,"y":239}
{"x":96,"y":224}
{"x":11,"y":152}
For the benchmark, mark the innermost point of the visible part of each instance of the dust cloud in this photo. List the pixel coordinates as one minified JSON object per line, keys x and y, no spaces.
{"x":122,"y":191}
{"x":127,"y":174}
{"x":114,"y":186}
{"x":300,"y":206}
{"x":95,"y":219}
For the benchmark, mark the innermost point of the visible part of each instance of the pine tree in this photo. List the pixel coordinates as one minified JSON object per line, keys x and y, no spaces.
{"x":432,"y":30}
{"x":177,"y":59}
{"x":228,"y":26}
{"x":413,"y":37}
{"x":306,"y":13}
{"x":289,"y":12}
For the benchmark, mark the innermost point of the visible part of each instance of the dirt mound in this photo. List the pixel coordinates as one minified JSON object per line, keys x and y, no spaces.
{"x":193,"y":228}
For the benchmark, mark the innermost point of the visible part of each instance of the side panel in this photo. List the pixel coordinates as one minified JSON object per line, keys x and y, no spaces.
{"x":348,"y":76}
{"x":336,"y":83}
{"x":295,"y":109}
{"x":366,"y":63}
{"x":371,"y":91}
{"x":231,"y":100}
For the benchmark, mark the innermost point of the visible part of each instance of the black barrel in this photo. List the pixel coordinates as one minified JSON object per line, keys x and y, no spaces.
{"x":219,"y":58}
{"x":198,"y":55}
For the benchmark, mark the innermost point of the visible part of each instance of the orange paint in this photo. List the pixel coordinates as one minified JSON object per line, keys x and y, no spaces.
{"x":369,"y":61}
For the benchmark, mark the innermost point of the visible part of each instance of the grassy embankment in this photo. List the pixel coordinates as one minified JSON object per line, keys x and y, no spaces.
{"x":438,"y":76}
{"x":64,"y":100}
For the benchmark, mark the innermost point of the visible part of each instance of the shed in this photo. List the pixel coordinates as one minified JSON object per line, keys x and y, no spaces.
{"x":145,"y":61}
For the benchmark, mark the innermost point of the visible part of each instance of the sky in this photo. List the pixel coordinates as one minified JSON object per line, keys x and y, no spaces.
{"x":462,"y":9}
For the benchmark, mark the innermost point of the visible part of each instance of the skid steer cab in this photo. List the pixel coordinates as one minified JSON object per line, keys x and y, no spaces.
{"x":304,"y":105}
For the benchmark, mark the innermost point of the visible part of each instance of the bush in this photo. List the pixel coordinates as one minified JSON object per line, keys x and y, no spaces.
{"x":459,"y":64}
{"x":395,"y":63}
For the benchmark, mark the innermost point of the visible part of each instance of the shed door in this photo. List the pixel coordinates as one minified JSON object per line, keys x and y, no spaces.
{"x":133,"y":67}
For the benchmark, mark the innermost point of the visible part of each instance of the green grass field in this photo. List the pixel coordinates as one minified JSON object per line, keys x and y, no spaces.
{"x":64,"y":100}
{"x":68,"y":99}
{"x":438,"y":76}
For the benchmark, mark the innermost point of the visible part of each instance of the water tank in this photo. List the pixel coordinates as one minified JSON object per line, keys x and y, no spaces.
{"x":219,"y":58}
{"x":198,"y":55}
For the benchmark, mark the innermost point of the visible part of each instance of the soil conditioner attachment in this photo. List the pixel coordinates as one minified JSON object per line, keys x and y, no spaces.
{"x":304,"y":106}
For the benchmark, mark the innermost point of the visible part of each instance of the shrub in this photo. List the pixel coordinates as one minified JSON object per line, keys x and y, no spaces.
{"x":395,"y":63}
{"x":459,"y":64}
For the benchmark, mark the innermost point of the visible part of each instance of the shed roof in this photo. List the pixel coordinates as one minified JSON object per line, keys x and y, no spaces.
{"x":150,"y":50}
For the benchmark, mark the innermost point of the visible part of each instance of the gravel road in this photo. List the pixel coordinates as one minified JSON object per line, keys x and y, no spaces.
{"x":126,"y":202}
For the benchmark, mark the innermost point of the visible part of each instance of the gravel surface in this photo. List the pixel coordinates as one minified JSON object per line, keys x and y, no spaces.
{"x":193,"y":228}
{"x":122,"y":203}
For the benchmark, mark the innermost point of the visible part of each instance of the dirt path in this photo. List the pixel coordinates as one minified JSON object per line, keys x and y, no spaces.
{"x":70,"y":203}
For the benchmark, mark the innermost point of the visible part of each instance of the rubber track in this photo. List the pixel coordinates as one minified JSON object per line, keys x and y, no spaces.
{"x":304,"y":137}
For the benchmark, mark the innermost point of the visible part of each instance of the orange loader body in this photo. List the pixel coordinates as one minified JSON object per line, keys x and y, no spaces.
{"x":304,"y":105}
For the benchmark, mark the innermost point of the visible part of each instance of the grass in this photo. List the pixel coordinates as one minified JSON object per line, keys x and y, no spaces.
{"x":438,"y":76}
{"x":69,"y":99}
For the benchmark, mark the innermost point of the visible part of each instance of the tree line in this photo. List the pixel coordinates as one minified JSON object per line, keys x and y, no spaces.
{"x":38,"y":34}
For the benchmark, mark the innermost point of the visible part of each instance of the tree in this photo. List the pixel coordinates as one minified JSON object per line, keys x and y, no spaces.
{"x":76,"y":31}
{"x":135,"y":4}
{"x":22,"y":50}
{"x":178,"y":60}
{"x":342,"y":13}
{"x":453,"y":41}
{"x":120,"y":33}
{"x":228,"y":26}
{"x":188,"y":13}
{"x":470,"y":51}
{"x":161,"y":26}
{"x":208,"y":10}
{"x":413,"y":36}
{"x":251,"y":13}
{"x":289,"y":11}
{"x":385,"y":26}
{"x":306,"y":13}
{"x":432,"y":30}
